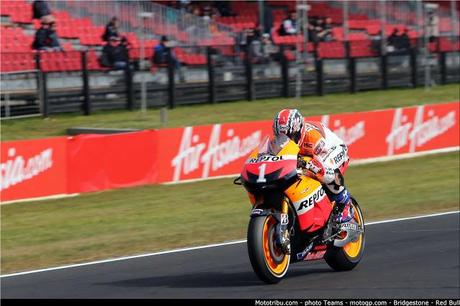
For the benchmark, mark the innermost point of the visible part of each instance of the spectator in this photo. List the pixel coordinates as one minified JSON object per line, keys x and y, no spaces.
{"x":404,"y":41}
{"x":53,"y":38}
{"x":393,"y":41}
{"x":42,"y":11}
{"x":111,"y":29}
{"x":289,"y":25}
{"x":325,"y":33}
{"x":41,"y":37}
{"x":264,"y":51}
{"x":311,"y":29}
{"x":46,"y":38}
{"x":376,"y":42}
{"x":115,"y":54}
{"x":213,"y":26}
{"x":160,"y":55}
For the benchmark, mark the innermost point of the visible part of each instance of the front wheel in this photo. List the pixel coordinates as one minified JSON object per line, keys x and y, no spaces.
{"x":347,"y":257}
{"x":267,"y":260}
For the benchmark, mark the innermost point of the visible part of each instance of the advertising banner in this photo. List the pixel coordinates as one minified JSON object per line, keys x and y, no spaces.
{"x":33,"y":168}
{"x":214,"y":150}
{"x":205,"y":151}
{"x":397,"y":131}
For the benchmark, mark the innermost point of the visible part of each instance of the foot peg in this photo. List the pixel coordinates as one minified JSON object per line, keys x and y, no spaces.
{"x":352,"y":232}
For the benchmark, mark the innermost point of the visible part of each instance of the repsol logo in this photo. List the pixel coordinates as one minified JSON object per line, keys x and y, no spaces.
{"x":339,"y":157}
{"x":308,"y":203}
{"x":266,"y":158}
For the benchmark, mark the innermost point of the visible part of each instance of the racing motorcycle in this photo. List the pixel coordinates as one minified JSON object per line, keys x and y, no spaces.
{"x":292,"y":218}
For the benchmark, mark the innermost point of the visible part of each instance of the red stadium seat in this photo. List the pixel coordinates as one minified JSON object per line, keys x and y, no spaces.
{"x":331,"y":49}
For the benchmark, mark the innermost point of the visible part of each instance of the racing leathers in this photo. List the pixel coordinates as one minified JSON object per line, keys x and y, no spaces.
{"x":329,"y":160}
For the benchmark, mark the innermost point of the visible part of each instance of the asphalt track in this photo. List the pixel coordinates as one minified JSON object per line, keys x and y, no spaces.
{"x":417,"y":258}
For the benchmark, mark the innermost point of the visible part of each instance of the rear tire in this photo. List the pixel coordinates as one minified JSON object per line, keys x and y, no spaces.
{"x":268,"y":262}
{"x":347,"y":257}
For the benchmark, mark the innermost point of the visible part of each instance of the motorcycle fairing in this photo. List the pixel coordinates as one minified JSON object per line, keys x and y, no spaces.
{"x":310,"y":202}
{"x":278,"y":157}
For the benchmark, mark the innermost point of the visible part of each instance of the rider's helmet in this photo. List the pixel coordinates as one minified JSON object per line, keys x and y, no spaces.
{"x":289,"y":122}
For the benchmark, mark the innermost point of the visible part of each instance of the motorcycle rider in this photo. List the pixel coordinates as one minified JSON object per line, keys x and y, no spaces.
{"x":329,"y":156}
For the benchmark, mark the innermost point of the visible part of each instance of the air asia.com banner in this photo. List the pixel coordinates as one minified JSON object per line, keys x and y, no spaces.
{"x":35,"y":168}
{"x":220,"y":149}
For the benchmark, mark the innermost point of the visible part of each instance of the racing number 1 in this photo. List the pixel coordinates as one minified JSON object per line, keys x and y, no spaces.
{"x":261,"y":178}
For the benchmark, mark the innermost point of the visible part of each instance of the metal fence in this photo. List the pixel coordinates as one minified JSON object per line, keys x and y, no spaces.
{"x":197,"y":75}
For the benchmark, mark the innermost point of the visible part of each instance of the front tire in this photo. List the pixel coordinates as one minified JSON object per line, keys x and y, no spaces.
{"x":267,"y":260}
{"x":347,"y":257}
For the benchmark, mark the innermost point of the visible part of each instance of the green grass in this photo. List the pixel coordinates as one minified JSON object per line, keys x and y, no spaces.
{"x":228,"y":112}
{"x":152,"y":218}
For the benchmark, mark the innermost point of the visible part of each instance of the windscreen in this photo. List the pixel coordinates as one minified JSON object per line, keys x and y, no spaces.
{"x":273,"y":145}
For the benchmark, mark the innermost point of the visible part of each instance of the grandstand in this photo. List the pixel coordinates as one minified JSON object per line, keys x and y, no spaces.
{"x":215,"y":66}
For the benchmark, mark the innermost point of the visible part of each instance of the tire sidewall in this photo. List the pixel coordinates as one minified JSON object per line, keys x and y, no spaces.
{"x":255,"y":245}
{"x":338,"y":259}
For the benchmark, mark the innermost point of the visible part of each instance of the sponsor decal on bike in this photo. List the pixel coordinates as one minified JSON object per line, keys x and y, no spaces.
{"x":319,"y":147}
{"x":338,"y":158}
{"x":315,"y":255}
{"x":193,"y":154}
{"x":307,"y":203}
{"x":284,"y":219}
{"x":418,"y":132}
{"x":18,"y":168}
{"x":301,"y":255}
{"x":350,"y":226}
{"x":256,"y":212}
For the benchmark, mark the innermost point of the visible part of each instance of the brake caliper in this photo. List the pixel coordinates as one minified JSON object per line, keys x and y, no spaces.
{"x":282,"y":234}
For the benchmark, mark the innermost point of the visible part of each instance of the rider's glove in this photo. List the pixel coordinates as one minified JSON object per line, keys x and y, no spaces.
{"x":301,"y":163}
{"x":315,"y":166}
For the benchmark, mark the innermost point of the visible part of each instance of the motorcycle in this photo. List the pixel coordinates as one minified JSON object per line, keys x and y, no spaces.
{"x":292,"y":218}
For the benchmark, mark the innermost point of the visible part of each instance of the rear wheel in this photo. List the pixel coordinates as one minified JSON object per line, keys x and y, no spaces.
{"x":268,"y":261}
{"x":347,"y":257}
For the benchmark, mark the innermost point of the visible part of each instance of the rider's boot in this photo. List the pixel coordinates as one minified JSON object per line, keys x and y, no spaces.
{"x":345,"y":211}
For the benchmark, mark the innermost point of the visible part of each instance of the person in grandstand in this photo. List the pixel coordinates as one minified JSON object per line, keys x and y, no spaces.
{"x":160,"y":55}
{"x":42,"y":11}
{"x":111,"y":29}
{"x":289,"y":25}
{"x":46,"y":37}
{"x":325,"y":31}
{"x":329,"y":156}
{"x":115,"y":54}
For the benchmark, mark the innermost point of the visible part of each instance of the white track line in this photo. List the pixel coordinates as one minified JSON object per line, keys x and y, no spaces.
{"x":198,"y":248}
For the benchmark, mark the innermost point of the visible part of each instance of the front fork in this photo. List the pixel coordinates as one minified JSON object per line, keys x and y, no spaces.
{"x":282,"y":232}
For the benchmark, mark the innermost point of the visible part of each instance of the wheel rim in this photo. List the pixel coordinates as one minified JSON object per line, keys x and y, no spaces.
{"x":277,"y":262}
{"x":353,"y":249}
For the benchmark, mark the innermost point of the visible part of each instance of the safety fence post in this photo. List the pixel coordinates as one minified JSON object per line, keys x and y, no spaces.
{"x":85,"y":78}
{"x":171,"y":80}
{"x":211,"y":76}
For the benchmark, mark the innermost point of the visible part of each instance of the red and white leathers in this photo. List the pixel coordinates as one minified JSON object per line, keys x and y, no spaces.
{"x":329,"y":154}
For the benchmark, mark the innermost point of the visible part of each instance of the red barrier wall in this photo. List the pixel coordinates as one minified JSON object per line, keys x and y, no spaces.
{"x":34,"y":168}
{"x":100,"y":162}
